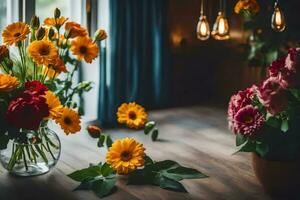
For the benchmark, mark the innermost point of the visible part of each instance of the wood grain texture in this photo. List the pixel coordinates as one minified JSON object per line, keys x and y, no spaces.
{"x":195,"y":137}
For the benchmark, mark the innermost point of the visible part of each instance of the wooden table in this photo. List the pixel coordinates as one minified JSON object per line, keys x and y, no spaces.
{"x":195,"y":137}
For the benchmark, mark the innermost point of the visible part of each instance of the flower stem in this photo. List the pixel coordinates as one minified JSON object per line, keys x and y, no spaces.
{"x":24,"y":158}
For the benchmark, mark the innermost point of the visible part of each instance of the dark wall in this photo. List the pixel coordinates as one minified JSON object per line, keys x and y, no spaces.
{"x":206,"y":71}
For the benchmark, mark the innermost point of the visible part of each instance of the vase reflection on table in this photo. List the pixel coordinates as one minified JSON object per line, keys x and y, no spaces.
{"x":34,"y":154}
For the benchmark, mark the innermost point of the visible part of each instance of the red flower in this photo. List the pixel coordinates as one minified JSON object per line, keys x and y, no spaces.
{"x":248,"y":121}
{"x":273,"y":96}
{"x":36,"y":87}
{"x":238,"y":101}
{"x":276,"y":67}
{"x":27,"y":111}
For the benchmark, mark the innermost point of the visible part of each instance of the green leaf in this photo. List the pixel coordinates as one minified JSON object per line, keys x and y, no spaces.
{"x":101,"y":141}
{"x":103,"y":187}
{"x":240,"y":139}
{"x":148,"y":160}
{"x":249,"y":146}
{"x":166,"y":164}
{"x":86,"y":174}
{"x":106,"y":170}
{"x":149,"y":126}
{"x":154,"y":135}
{"x":109,"y":141}
{"x":262,"y":149}
{"x":3,"y":142}
{"x":170,"y":184}
{"x":273,"y":122}
{"x":285,"y":125}
{"x":187,"y":173}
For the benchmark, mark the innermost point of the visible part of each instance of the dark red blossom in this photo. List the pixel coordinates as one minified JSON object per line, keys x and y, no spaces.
{"x":27,"y":111}
{"x":36,"y":87}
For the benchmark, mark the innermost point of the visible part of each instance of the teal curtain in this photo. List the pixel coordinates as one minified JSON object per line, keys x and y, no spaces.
{"x":138,"y":58}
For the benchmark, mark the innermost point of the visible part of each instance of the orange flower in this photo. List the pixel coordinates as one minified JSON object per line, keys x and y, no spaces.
{"x":8,"y":83}
{"x":59,"y":66}
{"x":84,"y":49}
{"x":57,"y":22}
{"x":249,"y":5}
{"x":43,"y":52}
{"x":76,"y":30}
{"x":69,"y":121}
{"x":54,"y":104}
{"x":100,"y":35}
{"x":15,"y":33}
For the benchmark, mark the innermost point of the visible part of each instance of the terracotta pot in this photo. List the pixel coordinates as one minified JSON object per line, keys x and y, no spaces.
{"x":279,"y":178}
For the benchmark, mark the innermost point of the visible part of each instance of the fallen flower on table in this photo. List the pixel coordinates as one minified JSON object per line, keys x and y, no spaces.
{"x":126,"y":156}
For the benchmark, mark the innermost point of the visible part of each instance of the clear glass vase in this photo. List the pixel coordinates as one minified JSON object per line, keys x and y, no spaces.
{"x":34,"y":154}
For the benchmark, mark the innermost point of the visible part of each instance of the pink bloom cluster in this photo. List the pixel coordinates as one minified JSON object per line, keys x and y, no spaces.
{"x":246,"y":119}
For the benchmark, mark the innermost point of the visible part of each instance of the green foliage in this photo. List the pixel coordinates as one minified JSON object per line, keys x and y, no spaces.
{"x":101,"y":179}
{"x":104,"y":140}
{"x":165,"y":174}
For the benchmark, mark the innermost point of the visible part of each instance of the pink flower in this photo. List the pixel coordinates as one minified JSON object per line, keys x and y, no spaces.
{"x":276,"y":67}
{"x":238,"y":101}
{"x":248,"y":121}
{"x":273,"y":96}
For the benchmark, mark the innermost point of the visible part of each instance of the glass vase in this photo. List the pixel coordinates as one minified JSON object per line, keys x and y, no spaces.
{"x":34,"y":154}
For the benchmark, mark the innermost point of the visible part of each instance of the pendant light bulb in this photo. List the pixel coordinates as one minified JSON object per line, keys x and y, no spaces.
{"x":278,"y":20}
{"x":203,"y":30}
{"x":221,"y":27}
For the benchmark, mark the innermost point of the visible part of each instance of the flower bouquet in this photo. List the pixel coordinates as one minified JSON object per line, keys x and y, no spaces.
{"x":38,"y":63}
{"x":265,"y":119}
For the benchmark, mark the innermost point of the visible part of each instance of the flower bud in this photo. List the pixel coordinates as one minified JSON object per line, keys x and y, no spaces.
{"x":4,"y":52}
{"x":34,"y":22}
{"x":40,"y":33}
{"x":94,"y":131}
{"x":56,"y":13}
{"x":100,"y":35}
{"x":51,"y":33}
{"x":68,"y":33}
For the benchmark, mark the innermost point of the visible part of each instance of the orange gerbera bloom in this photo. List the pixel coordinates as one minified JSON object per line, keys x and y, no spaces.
{"x":43,"y":52}
{"x":54,"y":104}
{"x":69,"y":121}
{"x":84,"y":49}
{"x":59,"y":66}
{"x":57,"y":22}
{"x":76,"y":30}
{"x":15,"y":32}
{"x":8,"y":83}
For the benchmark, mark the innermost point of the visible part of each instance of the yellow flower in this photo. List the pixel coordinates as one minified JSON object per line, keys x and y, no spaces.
{"x":15,"y":33}
{"x":132,"y":114}
{"x":54,"y":104}
{"x":57,"y":22}
{"x":76,"y":30}
{"x":69,"y":121}
{"x":8,"y":83}
{"x":250,"y":5}
{"x":125,"y":155}
{"x":84,"y":49}
{"x":43,"y":52}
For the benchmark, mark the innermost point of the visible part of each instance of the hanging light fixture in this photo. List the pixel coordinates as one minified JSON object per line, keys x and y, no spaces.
{"x":278,"y":21}
{"x":203,"y":30}
{"x":221,"y":28}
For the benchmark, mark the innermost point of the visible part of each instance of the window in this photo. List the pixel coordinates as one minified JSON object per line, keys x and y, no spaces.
{"x":3,"y":18}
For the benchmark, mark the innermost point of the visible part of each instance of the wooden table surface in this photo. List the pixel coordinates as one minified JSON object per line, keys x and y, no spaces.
{"x":195,"y":137}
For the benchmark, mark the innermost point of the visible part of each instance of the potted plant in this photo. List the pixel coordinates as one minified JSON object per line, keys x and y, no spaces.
{"x":266,"y":121}
{"x":37,"y":64}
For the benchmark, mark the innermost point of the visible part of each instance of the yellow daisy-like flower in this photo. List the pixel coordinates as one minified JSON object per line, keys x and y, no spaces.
{"x":76,"y":30}
{"x":84,"y":49}
{"x":250,"y":5}
{"x":132,"y":114}
{"x":43,"y":52}
{"x":8,"y":83}
{"x":69,"y":121}
{"x":125,"y":155}
{"x":54,"y":104}
{"x":15,"y":32}
{"x":57,"y":22}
